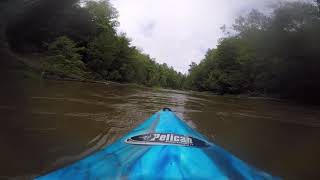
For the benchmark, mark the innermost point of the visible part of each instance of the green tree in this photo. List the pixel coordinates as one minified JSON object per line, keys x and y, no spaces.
{"x":64,"y":57}
{"x":273,"y":54}
{"x":58,"y":28}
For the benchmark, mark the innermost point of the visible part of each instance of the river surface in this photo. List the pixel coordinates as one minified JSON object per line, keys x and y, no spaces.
{"x":47,"y":124}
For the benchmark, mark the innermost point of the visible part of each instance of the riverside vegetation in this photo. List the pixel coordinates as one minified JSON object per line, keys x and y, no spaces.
{"x":276,"y":52}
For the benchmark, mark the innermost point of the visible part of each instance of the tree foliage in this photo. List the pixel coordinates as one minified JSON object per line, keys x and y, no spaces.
{"x":64,"y":57}
{"x":80,"y":36}
{"x":276,"y":54}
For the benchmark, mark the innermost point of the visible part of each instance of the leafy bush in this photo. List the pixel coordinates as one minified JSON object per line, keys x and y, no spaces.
{"x":64,"y":57}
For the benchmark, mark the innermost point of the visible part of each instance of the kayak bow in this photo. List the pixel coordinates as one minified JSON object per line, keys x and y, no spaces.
{"x":163,"y":147}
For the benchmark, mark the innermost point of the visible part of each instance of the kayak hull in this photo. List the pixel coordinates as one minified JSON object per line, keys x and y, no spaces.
{"x":174,"y":151}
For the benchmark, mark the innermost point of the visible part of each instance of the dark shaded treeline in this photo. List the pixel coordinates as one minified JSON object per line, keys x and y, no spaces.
{"x":79,"y":39}
{"x":277,"y":53}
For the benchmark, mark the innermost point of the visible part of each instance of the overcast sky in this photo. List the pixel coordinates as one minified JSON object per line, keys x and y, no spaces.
{"x":178,"y":32}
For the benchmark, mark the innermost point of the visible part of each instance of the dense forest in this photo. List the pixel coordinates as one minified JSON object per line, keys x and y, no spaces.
{"x":277,"y":53}
{"x":274,"y":53}
{"x":79,"y":39}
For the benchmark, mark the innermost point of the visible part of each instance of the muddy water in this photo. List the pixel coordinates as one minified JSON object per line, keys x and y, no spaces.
{"x":47,"y":124}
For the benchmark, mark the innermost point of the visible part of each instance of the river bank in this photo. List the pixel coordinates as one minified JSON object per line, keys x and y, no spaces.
{"x":35,"y":66}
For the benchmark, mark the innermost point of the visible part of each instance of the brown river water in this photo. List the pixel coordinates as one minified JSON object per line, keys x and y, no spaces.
{"x":47,"y":124}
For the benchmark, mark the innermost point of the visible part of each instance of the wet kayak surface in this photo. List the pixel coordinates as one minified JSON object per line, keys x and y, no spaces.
{"x":48,"y":124}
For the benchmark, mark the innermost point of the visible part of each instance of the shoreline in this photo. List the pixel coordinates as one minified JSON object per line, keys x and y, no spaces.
{"x":106,"y":82}
{"x":31,"y":67}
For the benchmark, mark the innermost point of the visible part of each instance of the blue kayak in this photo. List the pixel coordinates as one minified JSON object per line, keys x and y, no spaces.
{"x":163,"y":147}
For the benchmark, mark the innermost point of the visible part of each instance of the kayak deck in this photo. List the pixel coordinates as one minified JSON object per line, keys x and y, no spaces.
{"x":163,"y":147}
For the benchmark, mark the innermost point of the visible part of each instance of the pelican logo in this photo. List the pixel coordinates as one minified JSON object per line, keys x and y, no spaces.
{"x":166,"y":139}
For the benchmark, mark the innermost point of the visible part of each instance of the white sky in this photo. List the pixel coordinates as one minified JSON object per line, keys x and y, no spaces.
{"x":178,"y":32}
